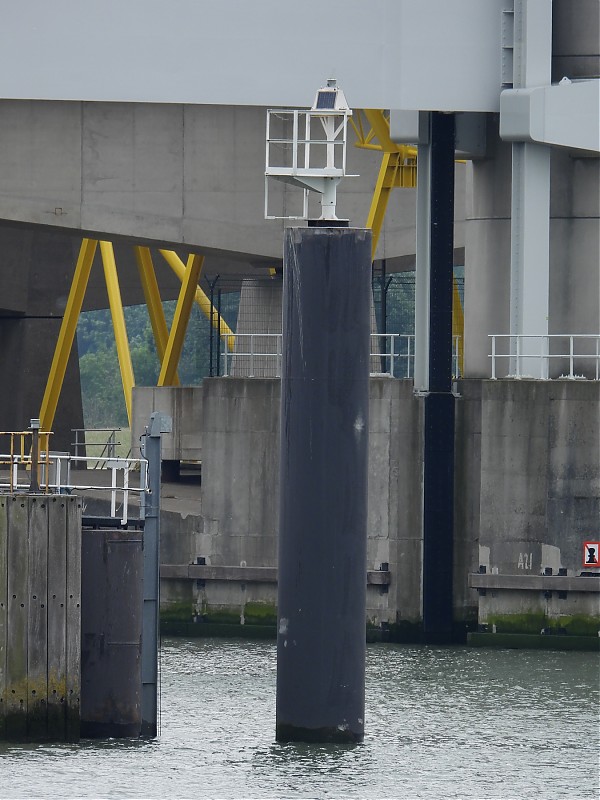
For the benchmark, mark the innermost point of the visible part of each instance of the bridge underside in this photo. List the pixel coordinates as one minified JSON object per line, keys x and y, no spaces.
{"x":185,"y":178}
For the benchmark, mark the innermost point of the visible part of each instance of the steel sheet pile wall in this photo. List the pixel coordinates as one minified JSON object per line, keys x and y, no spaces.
{"x":40,"y":613}
{"x":111,"y":660}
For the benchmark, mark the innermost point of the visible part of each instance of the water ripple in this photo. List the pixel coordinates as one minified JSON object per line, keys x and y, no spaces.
{"x":440,"y":723}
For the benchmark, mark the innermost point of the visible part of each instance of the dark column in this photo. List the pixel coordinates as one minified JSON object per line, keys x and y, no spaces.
{"x":111,"y":627}
{"x":36,"y":269}
{"x":152,"y":445}
{"x":323,"y":485}
{"x":438,"y":477}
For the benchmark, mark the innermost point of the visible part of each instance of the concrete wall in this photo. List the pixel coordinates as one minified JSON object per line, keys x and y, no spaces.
{"x":394,"y":509}
{"x":527,"y":495}
{"x":539,"y":499}
{"x":184,"y":406}
{"x":540,"y":474}
{"x":240,"y":488}
{"x":575,"y":38}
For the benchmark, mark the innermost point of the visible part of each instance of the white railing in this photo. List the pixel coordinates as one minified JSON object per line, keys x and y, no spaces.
{"x":255,"y":355}
{"x":124,"y":477}
{"x":575,"y":356}
{"x":397,"y":354}
{"x":261,"y":354}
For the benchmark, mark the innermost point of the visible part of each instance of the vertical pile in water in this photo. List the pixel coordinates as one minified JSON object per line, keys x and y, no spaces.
{"x":323,"y":509}
{"x":40,"y":617}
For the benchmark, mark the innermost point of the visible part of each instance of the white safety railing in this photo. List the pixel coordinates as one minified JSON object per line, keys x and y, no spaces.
{"x":397,"y":354}
{"x":59,"y":475}
{"x":575,"y":356}
{"x":255,"y":354}
{"x":261,"y":354}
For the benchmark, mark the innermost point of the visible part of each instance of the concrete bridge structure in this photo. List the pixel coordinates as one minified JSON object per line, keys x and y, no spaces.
{"x":149,"y":129}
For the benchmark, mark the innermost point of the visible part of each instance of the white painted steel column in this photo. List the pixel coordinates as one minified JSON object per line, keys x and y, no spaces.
{"x":423,"y":265}
{"x":530,"y":198}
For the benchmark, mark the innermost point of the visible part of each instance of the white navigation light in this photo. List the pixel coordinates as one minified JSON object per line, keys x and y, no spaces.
{"x":307,"y":149}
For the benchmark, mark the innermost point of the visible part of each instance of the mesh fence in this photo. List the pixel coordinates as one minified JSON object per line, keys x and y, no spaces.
{"x":248,"y":308}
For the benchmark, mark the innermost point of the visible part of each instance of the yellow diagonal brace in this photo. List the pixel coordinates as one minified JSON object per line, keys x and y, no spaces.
{"x":118,"y":320}
{"x":458,"y":325}
{"x":381,"y":195}
{"x":201,"y":299}
{"x":381,"y":128}
{"x":153,"y":303}
{"x":67,"y":333}
{"x":180,"y":320}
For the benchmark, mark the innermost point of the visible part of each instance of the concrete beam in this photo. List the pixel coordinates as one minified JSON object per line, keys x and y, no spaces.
{"x":566,"y":115}
{"x":544,"y":583}
{"x":267,"y":53}
{"x":211,"y":572}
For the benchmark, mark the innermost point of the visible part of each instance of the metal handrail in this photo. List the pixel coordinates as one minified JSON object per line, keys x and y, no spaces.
{"x":397,"y":356}
{"x":24,"y":454}
{"x":109,"y":447}
{"x":523,"y":358}
{"x":57,"y":477}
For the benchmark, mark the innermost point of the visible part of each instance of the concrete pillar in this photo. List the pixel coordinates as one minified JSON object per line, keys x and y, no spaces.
{"x":574,"y":274}
{"x":323,"y":485}
{"x":530,"y":198}
{"x":40,"y":617}
{"x":36,"y":268}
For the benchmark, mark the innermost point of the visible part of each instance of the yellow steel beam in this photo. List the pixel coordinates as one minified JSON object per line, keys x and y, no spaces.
{"x":381,"y":195}
{"x":118,"y":320}
{"x":381,"y":128}
{"x":398,"y":169}
{"x":458,"y":325}
{"x":153,"y":303}
{"x":183,"y":309}
{"x":363,"y":139}
{"x":201,"y":299}
{"x":67,"y":333}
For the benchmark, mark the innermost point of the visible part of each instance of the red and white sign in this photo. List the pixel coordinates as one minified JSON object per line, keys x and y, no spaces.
{"x":591,"y":554}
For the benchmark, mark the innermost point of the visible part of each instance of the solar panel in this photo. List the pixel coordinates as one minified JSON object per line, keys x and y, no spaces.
{"x":326,"y":99}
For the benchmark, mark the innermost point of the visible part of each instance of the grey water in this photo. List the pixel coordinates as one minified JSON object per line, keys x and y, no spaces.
{"x":440,"y":723}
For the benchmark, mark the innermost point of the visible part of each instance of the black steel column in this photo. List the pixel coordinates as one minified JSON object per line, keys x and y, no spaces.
{"x":323,"y":485}
{"x":438,"y":477}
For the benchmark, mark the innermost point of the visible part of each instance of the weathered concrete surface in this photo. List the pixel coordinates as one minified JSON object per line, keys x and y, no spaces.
{"x":527,"y":496}
{"x":394,"y":507}
{"x":170,"y":174}
{"x":184,"y":405}
{"x":467,"y":493}
{"x":540,"y":496}
{"x":239,"y":504}
{"x":575,"y":38}
{"x":36,"y":269}
{"x":540,"y":473}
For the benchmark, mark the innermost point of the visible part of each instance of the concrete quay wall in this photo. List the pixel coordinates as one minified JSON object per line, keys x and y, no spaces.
{"x":527,"y":497}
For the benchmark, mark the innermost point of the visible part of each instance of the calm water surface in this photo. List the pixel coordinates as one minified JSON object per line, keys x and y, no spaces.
{"x":440,"y":723}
